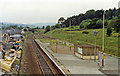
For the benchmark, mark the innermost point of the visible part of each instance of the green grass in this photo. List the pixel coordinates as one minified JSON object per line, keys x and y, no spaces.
{"x":111,"y":43}
{"x":51,"y":41}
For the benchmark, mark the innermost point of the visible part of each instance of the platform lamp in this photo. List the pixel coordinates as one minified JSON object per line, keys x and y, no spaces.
{"x":103,"y":41}
{"x":70,"y":34}
{"x":95,"y":34}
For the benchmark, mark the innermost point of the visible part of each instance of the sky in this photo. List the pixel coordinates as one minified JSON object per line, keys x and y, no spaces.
{"x":48,"y":11}
{"x":119,"y":4}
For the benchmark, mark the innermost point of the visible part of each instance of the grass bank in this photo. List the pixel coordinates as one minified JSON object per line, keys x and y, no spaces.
{"x":77,"y":37}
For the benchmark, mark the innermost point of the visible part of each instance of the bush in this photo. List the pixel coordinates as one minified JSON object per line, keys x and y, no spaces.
{"x":117,"y":25}
{"x":47,"y":29}
{"x":85,"y":32}
{"x":85,"y":23}
{"x":72,"y":27}
{"x":52,"y":27}
{"x":63,"y":26}
{"x":57,"y":26}
{"x":109,"y":31}
{"x":25,"y":29}
{"x":77,"y":29}
{"x":99,"y":24}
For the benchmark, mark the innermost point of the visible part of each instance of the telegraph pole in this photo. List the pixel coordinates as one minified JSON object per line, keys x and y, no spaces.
{"x":103,"y":41}
{"x":103,"y":33}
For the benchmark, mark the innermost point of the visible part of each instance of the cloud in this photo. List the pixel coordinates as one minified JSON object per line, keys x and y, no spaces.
{"x":34,"y":11}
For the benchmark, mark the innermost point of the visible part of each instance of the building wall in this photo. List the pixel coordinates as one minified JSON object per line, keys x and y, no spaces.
{"x":86,"y":57}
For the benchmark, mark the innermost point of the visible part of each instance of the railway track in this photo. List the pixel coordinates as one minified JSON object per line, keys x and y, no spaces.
{"x":47,"y":66}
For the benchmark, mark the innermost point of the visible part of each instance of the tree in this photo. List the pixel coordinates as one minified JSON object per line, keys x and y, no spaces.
{"x":109,"y":14}
{"x":111,"y":23}
{"x":61,"y":20}
{"x":109,"y":31}
{"x":28,"y":27}
{"x":117,"y":25}
{"x":85,"y":23}
{"x":58,"y":26}
{"x":3,"y":27}
{"x":13,"y":26}
{"x":37,"y":27}
{"x":47,"y":29}
{"x":52,"y":27}
{"x":106,"y":23}
{"x":43,"y":27}
{"x":25,"y":29}
{"x":63,"y":26}
{"x":20,"y":27}
{"x":93,"y":23}
{"x":90,"y":14}
{"x":33,"y":31}
{"x":99,"y":14}
{"x":99,"y":24}
{"x":118,"y":12}
{"x":81,"y":17}
{"x":76,"y":20}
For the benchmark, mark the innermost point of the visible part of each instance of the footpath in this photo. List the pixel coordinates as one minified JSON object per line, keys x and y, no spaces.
{"x":111,"y":64}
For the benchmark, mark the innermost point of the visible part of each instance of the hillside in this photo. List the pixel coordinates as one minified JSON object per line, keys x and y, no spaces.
{"x":111,"y":43}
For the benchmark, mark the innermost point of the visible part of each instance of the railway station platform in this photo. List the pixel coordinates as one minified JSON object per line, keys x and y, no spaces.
{"x":72,"y":64}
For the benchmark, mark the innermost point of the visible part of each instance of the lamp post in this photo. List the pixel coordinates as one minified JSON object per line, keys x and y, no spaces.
{"x":95,"y":34}
{"x":103,"y":41}
{"x":103,"y":32}
{"x":70,"y":36}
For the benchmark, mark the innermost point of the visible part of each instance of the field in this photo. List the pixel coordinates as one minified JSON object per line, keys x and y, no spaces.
{"x":77,"y":37}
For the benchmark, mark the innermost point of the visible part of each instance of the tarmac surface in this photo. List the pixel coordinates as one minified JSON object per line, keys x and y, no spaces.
{"x":74,"y":64}
{"x":111,"y":64}
{"x":78,"y":66}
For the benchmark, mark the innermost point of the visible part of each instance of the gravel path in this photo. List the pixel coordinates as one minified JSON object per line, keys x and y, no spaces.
{"x":29,"y":62}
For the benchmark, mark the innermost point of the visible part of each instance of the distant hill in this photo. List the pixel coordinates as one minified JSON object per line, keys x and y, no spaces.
{"x":43,"y":24}
{"x":6,"y":24}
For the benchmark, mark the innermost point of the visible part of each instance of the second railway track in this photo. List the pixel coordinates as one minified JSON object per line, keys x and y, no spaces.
{"x":47,"y":66}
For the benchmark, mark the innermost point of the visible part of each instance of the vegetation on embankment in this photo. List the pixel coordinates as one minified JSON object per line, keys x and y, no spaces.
{"x":92,"y":19}
{"x":83,"y":25}
{"x":78,"y":37}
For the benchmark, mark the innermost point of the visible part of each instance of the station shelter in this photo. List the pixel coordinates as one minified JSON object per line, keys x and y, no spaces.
{"x":86,"y":51}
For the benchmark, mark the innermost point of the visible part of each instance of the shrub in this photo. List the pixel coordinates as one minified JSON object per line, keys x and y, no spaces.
{"x":58,"y":26}
{"x":72,"y":27}
{"x":47,"y":29}
{"x":85,"y":32}
{"x":109,"y":31}
{"x":77,"y":29}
